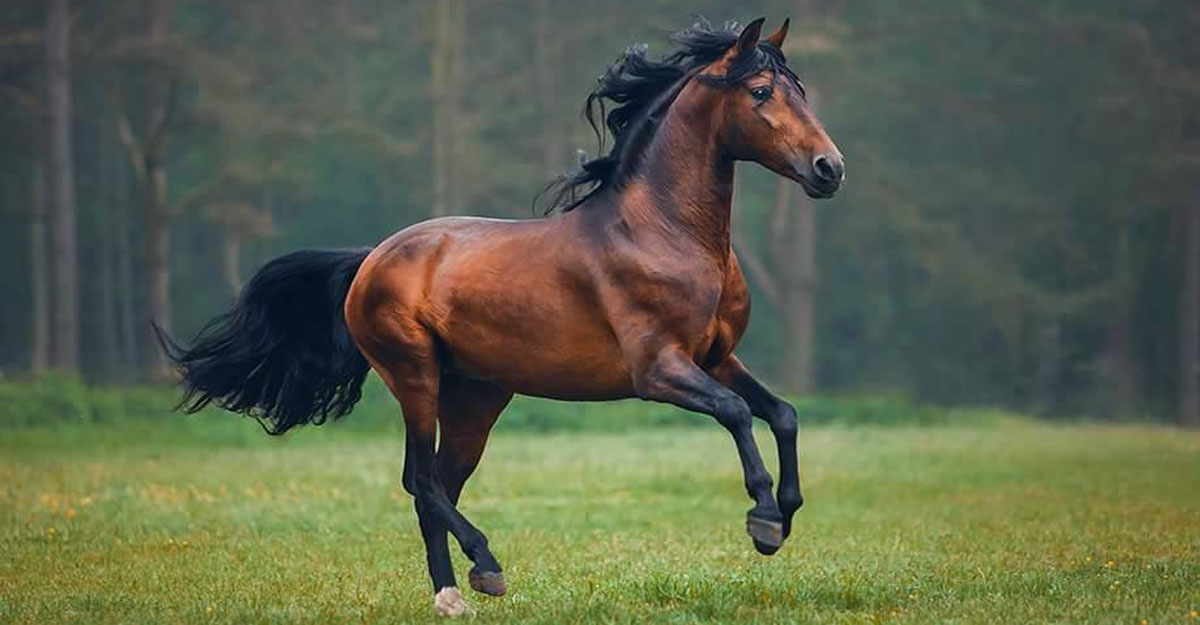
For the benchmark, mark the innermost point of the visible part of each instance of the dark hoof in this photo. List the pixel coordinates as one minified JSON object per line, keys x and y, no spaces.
{"x":767,"y":535}
{"x":488,"y":583}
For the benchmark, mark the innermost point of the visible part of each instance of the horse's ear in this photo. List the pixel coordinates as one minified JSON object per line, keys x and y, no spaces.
{"x":749,"y":37}
{"x":776,"y":38}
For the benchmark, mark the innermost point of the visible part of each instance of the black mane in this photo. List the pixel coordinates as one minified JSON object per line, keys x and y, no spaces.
{"x":641,"y":90}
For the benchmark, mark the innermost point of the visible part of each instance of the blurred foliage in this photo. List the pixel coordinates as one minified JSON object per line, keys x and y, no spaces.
{"x":1005,"y":237}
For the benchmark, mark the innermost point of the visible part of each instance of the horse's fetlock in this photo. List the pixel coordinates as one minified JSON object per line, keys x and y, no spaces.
{"x":790,"y":503}
{"x":475,"y":545}
{"x":759,"y":482}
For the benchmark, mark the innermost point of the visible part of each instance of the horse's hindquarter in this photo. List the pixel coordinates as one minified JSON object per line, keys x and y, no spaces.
{"x":509,"y":302}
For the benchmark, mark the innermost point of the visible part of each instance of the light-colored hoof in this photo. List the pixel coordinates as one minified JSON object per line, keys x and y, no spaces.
{"x":449,"y":602}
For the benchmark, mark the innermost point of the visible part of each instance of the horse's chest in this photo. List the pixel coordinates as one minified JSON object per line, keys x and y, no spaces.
{"x":709,"y":315}
{"x":687,"y":300}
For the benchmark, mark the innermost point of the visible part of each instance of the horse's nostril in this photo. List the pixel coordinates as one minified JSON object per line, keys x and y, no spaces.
{"x":824,"y":169}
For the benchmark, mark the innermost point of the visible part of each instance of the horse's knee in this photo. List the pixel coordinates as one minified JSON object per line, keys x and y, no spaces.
{"x":426,"y":516}
{"x":784,"y":422}
{"x":733,"y":413}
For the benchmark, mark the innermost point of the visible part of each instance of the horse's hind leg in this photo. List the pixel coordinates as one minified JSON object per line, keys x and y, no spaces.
{"x":415,"y":381}
{"x":467,"y":411}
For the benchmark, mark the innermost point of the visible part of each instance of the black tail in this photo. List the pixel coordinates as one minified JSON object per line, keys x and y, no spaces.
{"x":283,"y":355}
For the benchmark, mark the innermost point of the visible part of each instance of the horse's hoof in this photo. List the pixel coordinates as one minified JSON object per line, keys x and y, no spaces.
{"x":488,"y":583}
{"x":767,"y":535}
{"x":449,"y":602}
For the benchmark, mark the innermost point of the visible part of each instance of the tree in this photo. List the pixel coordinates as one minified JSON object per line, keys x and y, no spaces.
{"x":446,"y":68}
{"x":61,"y":188}
{"x":158,"y":240}
{"x":547,"y":89}
{"x":786,"y":276}
{"x":39,"y":265}
{"x":148,"y":156}
{"x":1189,"y":321}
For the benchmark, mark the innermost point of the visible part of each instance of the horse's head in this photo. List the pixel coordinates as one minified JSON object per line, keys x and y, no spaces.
{"x":765,"y":117}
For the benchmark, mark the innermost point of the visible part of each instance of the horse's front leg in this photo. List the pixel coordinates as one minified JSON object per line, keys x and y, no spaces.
{"x":673,"y":378}
{"x":781,"y":416}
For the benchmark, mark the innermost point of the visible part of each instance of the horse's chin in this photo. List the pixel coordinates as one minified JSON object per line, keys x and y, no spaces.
{"x":817,"y":191}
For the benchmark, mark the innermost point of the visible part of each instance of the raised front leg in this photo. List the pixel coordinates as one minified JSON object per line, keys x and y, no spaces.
{"x":672,"y":377}
{"x":781,"y":416}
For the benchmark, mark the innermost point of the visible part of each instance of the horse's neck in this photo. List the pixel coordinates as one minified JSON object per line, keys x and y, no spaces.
{"x":688,"y":182}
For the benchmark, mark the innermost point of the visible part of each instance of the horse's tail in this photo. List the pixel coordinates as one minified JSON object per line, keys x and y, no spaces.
{"x":283,"y":354}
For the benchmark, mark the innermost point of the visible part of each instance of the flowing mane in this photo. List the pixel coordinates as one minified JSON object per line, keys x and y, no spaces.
{"x":641,"y":89}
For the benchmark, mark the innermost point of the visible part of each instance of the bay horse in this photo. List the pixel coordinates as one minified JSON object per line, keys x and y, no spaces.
{"x":631,"y":289}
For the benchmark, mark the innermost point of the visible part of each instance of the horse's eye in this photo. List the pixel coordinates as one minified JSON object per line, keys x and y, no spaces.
{"x":762,"y":94}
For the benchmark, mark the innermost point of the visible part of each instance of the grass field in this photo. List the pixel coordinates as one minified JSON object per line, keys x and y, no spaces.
{"x":210,"y":521}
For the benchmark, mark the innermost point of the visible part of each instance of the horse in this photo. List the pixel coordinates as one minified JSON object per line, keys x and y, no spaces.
{"x":628,"y":287}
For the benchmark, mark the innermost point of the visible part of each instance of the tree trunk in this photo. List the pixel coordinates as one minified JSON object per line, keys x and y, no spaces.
{"x":107,"y":164}
{"x":796,"y":260}
{"x":793,"y":229}
{"x":1122,"y":372}
{"x":444,"y":101}
{"x":1189,"y":322}
{"x":126,"y":294}
{"x":61,"y":189}
{"x":39,"y":271}
{"x":790,"y":283}
{"x":454,"y":120}
{"x":1049,"y":351}
{"x":231,"y":253}
{"x":158,"y":274}
{"x":547,"y":90}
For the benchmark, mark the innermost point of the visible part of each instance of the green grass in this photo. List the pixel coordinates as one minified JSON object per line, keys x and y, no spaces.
{"x":210,"y":521}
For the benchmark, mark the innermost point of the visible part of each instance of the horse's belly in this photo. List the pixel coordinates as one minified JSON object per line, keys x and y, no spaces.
{"x":533,"y":337}
{"x":545,"y":363}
